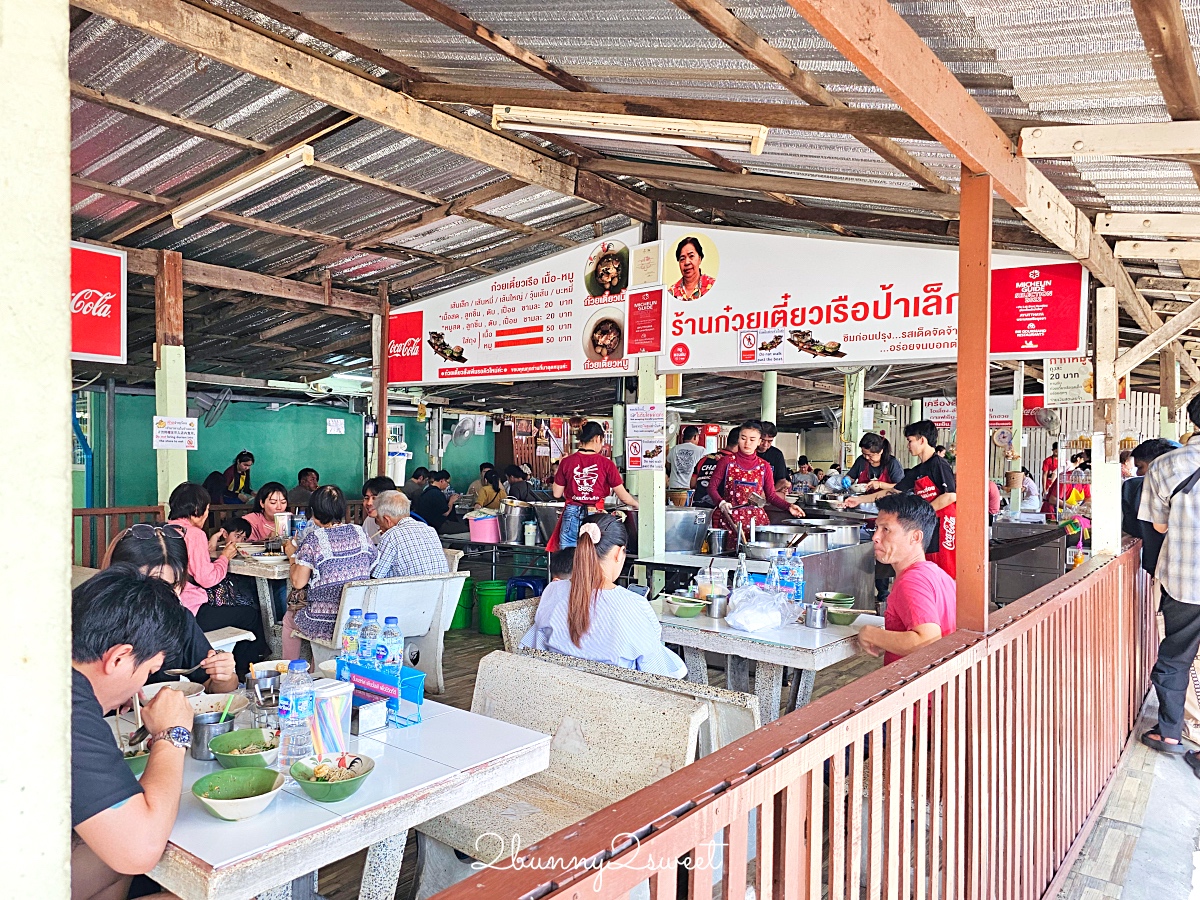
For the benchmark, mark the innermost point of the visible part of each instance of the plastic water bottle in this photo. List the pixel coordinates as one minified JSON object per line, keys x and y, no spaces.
{"x":295,"y":715}
{"x":299,"y":526}
{"x":389,"y":652}
{"x":741,"y":578}
{"x":350,"y":632}
{"x":776,"y":577}
{"x":368,"y":637}
{"x":797,"y":576}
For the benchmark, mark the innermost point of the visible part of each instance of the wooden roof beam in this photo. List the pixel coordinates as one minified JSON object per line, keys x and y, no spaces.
{"x":873,"y":36}
{"x":754,"y":47}
{"x":1162,"y":140}
{"x":1165,"y":34}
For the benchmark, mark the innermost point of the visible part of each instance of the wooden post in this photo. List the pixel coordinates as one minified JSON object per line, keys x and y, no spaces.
{"x":974,"y":329}
{"x":381,"y":383}
{"x":1168,"y":393}
{"x":1014,"y":465}
{"x":770,"y":397}
{"x":1106,"y":467}
{"x":170,"y":377}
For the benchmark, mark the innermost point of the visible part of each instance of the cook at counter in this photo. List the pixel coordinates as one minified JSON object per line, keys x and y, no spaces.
{"x":932,"y":479}
{"x":875,"y":466}
{"x":743,"y":483}
{"x":584,"y":479}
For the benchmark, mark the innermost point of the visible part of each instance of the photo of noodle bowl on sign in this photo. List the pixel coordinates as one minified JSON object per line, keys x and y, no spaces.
{"x":563,"y":315}
{"x":853,"y":301}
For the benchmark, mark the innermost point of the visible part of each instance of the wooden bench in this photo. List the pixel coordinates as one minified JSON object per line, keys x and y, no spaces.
{"x":425,"y":606}
{"x":80,"y":574}
{"x":610,"y":739}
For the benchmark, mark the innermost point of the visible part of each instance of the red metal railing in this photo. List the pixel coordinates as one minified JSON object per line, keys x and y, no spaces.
{"x":94,"y":528}
{"x":968,"y":769}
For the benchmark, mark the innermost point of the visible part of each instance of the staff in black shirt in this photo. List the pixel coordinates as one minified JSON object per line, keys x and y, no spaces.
{"x":433,"y":506}
{"x":774,"y":456}
{"x":875,"y":466}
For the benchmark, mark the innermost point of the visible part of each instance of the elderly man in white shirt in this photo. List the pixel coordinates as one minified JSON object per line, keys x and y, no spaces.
{"x":406,"y":546}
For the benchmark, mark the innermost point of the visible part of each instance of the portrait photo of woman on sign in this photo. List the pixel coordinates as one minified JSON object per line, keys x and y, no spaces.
{"x":690,"y":255}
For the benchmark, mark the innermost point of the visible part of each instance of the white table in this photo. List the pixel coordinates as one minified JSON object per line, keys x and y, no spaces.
{"x":797,"y":646}
{"x":450,"y":758}
{"x":264,"y":571}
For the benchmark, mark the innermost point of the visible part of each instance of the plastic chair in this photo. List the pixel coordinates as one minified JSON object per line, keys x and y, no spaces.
{"x":517,"y":585}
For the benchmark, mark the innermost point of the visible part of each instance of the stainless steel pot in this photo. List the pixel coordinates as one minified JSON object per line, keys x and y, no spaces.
{"x":513,"y":516}
{"x":843,"y":532}
{"x":778,"y":536}
{"x":547,"y":513}
{"x":686,"y":527}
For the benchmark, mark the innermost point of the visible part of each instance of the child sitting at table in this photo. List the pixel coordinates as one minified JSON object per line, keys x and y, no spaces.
{"x":561,"y":563}
{"x":239,"y":530}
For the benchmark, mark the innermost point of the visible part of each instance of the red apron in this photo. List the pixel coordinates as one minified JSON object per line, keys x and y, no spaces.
{"x":740,"y":483}
{"x":944,"y":556}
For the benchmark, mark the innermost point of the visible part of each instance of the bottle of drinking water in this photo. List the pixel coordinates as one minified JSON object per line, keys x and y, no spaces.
{"x":389,"y":652}
{"x":777,"y":576}
{"x":350,"y":633}
{"x":295,"y":715}
{"x":796,"y":564}
{"x":368,"y":637}
{"x":299,"y":526}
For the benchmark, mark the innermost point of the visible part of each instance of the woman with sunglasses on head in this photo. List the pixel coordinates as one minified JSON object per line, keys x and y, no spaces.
{"x":160,"y":551}
{"x":591,"y":617}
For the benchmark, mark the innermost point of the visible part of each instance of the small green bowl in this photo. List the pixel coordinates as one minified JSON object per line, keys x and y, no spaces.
{"x":329,"y":791}
{"x":685,"y":608}
{"x":137,"y":764}
{"x":222,"y":744}
{"x":834,"y":599}
{"x":845,"y":616}
{"x":234,"y":794}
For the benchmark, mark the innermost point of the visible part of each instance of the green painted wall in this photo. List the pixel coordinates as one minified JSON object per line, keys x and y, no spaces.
{"x":282,"y":442}
{"x":461,"y":462}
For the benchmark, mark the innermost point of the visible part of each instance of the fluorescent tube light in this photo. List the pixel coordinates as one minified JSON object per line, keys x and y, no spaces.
{"x":258,"y":177}
{"x":638,"y":129}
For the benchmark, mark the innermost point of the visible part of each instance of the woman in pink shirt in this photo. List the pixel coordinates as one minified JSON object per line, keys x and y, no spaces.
{"x":189,"y":510}
{"x":270,"y":499}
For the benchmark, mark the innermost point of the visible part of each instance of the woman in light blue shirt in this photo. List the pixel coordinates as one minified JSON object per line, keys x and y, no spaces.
{"x":590,"y":617}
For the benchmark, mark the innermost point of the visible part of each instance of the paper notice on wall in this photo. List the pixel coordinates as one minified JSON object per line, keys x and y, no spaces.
{"x":1069,"y":381}
{"x":172,"y":433}
{"x":481,"y":424}
{"x":759,"y":348}
{"x":335,"y":426}
{"x":645,"y":265}
{"x":646,"y":420}
{"x":646,"y":454}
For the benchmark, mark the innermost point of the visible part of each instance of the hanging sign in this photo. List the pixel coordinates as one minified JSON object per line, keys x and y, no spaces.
{"x":847,"y":302}
{"x":98,"y":304}
{"x":1069,"y":381}
{"x":173,"y":433}
{"x":644,"y":322}
{"x":565,"y":315}
{"x":646,"y":436}
{"x":761,"y":348}
{"x":943,"y":411}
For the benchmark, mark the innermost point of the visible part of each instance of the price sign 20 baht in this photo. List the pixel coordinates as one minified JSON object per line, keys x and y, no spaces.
{"x":749,"y":298}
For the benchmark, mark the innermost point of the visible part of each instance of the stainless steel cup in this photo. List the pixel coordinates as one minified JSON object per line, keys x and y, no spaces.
{"x":719,"y":606}
{"x":205,"y":727}
{"x":816,"y":616}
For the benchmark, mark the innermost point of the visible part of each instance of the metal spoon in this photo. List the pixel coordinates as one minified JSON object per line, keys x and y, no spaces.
{"x":182,"y":671}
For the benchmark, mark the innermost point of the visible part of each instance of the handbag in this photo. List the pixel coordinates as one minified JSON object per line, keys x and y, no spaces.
{"x":223,"y":593}
{"x":297,"y":598}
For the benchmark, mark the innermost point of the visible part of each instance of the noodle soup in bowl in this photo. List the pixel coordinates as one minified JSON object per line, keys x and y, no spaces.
{"x":604,"y":334}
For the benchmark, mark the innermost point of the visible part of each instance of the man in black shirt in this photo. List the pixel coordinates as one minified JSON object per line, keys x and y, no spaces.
{"x":124,"y":624}
{"x":931,"y":479}
{"x":707,"y":466}
{"x":773,"y":456}
{"x":433,"y":506}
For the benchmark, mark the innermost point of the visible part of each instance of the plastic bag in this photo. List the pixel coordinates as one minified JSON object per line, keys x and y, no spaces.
{"x":753,"y":609}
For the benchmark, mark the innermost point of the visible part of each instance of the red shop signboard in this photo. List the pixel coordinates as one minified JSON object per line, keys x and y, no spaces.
{"x":98,"y":304}
{"x":1039,"y":310}
{"x":405,"y":349}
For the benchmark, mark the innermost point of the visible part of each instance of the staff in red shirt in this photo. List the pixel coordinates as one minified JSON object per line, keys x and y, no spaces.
{"x":744,"y":483}
{"x":585,"y":478}
{"x":932,"y":479}
{"x":1049,"y":467}
{"x":921,"y":608}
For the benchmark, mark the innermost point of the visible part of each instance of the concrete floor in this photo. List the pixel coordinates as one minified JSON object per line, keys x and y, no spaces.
{"x":1145,"y":844}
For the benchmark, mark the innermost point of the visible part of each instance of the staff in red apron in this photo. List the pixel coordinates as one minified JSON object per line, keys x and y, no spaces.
{"x":584,"y":479}
{"x":743,"y":483}
{"x":931,"y":479}
{"x":875,"y":466}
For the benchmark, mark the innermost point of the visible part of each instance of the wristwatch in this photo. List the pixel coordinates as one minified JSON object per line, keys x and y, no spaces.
{"x":178,"y":735}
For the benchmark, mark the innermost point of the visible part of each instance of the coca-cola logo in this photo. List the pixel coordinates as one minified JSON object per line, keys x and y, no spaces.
{"x":410,"y":347}
{"x":90,"y":302}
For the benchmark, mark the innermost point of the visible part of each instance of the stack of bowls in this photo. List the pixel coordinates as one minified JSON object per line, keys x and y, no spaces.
{"x":840,"y":612}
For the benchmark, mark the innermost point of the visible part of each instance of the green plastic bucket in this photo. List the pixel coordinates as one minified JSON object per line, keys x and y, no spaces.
{"x":488,"y":594}
{"x":462,"y":614}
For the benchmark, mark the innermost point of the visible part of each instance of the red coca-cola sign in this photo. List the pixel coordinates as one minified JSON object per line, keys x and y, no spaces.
{"x":406,"y":347}
{"x":98,"y":304}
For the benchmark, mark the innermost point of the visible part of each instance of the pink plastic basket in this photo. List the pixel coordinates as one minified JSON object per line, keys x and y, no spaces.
{"x":485,"y":529}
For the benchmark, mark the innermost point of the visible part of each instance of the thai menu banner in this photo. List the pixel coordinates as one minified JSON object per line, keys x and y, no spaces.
{"x":568,"y":315}
{"x":747,"y":298}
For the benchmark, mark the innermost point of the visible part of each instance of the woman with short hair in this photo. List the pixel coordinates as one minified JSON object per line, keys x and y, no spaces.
{"x":591,"y":617}
{"x":330,"y":555}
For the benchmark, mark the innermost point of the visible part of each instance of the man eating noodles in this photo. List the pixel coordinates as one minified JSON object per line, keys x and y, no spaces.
{"x":123,"y":625}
